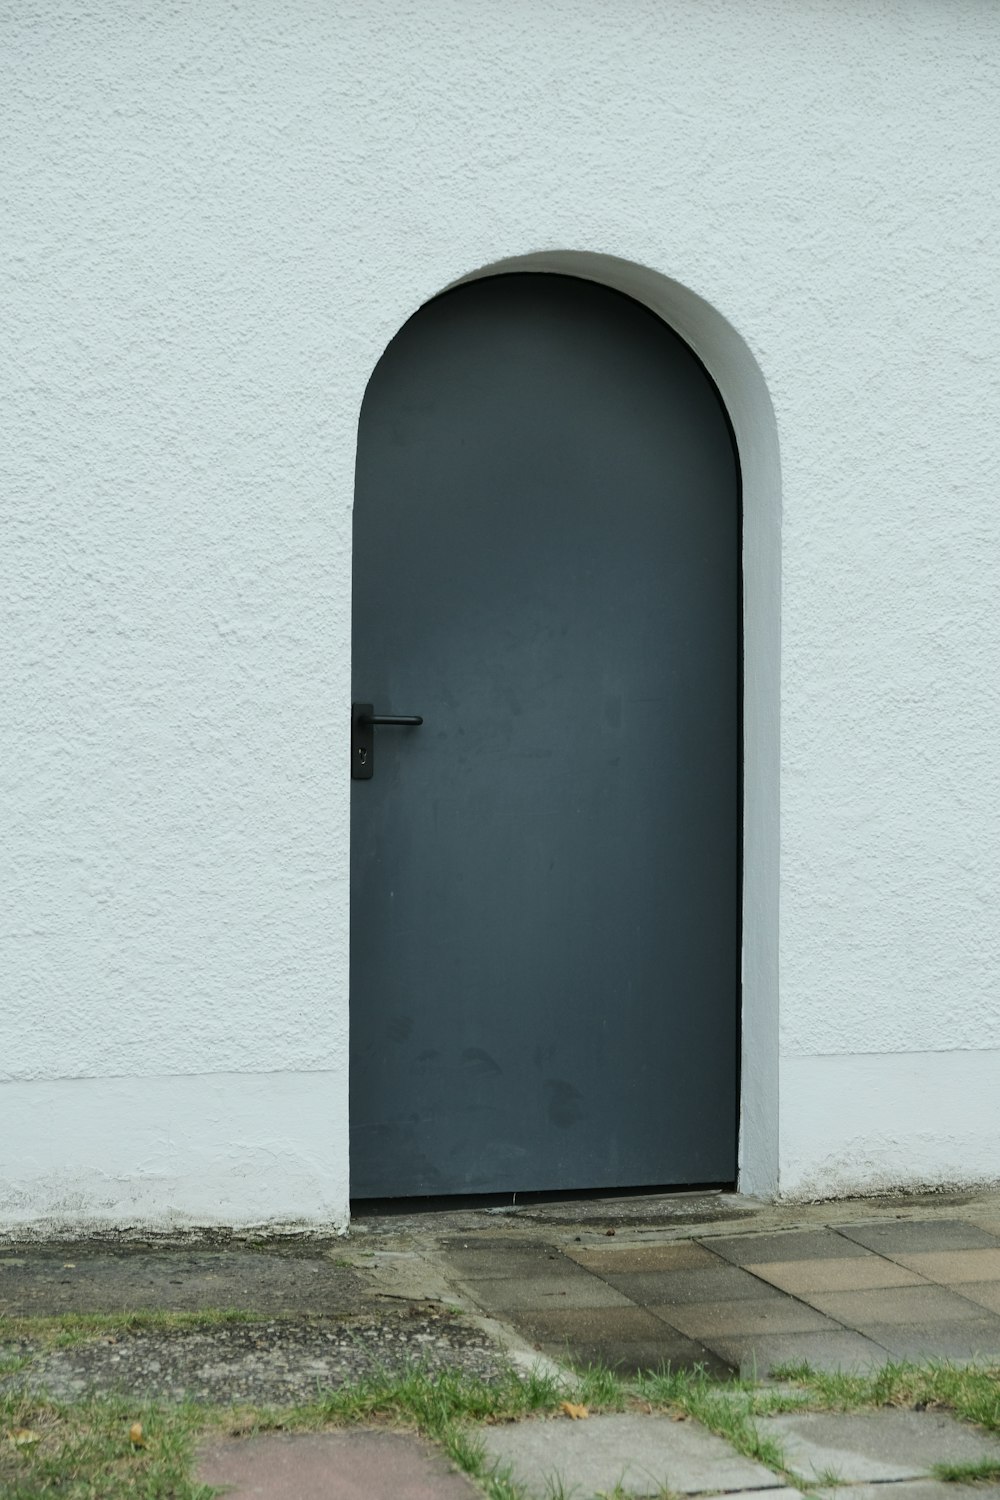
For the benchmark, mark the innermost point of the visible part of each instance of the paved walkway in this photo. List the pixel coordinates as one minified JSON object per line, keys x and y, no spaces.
{"x":618,"y":1455}
{"x":844,"y":1296}
{"x":644,"y":1455}
{"x":703,"y":1279}
{"x":356,"y":1465}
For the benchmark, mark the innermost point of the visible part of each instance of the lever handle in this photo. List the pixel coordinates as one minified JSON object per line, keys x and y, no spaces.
{"x":363,"y":721}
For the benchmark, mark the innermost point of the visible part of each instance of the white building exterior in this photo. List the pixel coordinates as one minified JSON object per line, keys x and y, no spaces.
{"x":215,"y":217}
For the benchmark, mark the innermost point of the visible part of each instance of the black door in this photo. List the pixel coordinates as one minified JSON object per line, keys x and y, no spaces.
{"x":545,"y":872}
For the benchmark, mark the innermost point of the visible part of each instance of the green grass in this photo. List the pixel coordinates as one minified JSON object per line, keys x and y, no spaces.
{"x":986,"y":1469}
{"x":971,"y":1392}
{"x":429,"y":1403}
{"x":82,"y":1450}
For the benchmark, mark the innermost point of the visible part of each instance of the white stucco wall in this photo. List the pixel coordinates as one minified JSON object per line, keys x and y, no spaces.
{"x":214,"y":218}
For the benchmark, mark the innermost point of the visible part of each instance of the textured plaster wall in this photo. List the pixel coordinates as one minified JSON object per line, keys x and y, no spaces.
{"x":215,"y":216}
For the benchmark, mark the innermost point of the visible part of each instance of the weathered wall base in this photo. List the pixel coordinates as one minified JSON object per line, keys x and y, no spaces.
{"x":875,"y":1123}
{"x":101,"y":1153}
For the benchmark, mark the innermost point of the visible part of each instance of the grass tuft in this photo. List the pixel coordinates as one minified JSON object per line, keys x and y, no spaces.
{"x":600,"y":1387}
{"x":975,"y":1473}
{"x":431,"y":1403}
{"x":972,"y":1392}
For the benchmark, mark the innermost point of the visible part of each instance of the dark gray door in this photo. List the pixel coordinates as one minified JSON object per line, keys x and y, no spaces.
{"x":545,"y":877}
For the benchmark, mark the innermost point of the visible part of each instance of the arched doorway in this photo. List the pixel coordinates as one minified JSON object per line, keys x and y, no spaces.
{"x":545,"y":871}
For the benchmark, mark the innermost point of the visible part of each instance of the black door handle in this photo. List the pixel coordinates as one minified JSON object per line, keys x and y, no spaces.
{"x":363,"y":721}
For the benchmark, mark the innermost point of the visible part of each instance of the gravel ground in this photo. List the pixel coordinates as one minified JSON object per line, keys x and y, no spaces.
{"x":266,"y":1364}
{"x":116,"y":1277}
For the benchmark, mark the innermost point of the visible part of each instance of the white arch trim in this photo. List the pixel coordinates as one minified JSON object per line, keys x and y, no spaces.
{"x":744,"y":392}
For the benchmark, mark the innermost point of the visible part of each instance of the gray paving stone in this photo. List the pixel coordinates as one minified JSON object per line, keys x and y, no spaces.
{"x":875,"y":1446}
{"x":985,"y":1294}
{"x":916,"y":1307}
{"x":971,"y":1340}
{"x":679,"y":1255}
{"x":502,"y":1259}
{"x":952,"y":1267}
{"x":524,"y":1293}
{"x":793,"y":1244}
{"x":356,"y":1465}
{"x":712,"y":1320}
{"x":782,"y":1494}
{"x":911,"y":1489}
{"x":919,"y":1234}
{"x":627,"y":1339}
{"x":640,"y":1454}
{"x":754,"y":1356}
{"x":596,"y":1323}
{"x":843,"y":1273}
{"x":718,"y":1283}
